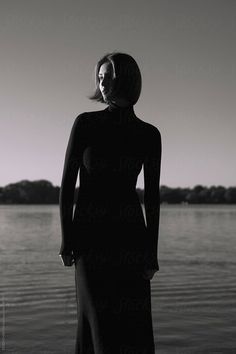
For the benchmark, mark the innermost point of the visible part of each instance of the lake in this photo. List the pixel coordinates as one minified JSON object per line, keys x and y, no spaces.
{"x":193,"y":294}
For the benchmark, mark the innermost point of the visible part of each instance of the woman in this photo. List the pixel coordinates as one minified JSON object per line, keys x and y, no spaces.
{"x":114,"y":252}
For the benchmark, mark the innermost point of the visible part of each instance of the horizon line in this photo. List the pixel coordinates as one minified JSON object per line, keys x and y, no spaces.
{"x":161,"y":185}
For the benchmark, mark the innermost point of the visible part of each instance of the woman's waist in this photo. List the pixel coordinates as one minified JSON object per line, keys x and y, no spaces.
{"x":108,"y":187}
{"x":109,"y":197}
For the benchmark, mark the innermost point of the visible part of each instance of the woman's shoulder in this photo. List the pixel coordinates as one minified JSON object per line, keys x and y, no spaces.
{"x":86,"y":119}
{"x":89,"y":116}
{"x":149,"y":128}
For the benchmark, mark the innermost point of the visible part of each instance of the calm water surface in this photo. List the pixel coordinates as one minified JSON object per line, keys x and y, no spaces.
{"x":193,"y":294}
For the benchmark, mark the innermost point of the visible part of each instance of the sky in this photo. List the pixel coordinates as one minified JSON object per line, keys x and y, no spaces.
{"x":186,"y":53}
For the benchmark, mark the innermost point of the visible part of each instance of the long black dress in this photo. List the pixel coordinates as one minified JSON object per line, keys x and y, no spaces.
{"x":107,"y":233}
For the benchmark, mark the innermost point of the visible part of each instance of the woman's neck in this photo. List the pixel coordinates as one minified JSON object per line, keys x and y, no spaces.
{"x":120,"y":102}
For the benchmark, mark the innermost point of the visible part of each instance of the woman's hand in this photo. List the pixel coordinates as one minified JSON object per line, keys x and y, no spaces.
{"x":149,"y":273}
{"x":67,"y":259}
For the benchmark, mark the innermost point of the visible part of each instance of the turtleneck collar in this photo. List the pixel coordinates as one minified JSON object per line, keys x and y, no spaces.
{"x":122,"y":112}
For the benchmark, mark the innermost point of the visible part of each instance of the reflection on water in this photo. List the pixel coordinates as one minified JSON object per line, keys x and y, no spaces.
{"x":193,"y":294}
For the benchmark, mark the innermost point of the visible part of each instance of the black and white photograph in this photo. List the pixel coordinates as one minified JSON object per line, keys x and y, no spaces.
{"x":118,"y":177}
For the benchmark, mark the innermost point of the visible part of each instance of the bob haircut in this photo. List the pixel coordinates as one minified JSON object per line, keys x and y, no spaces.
{"x":128,"y":80}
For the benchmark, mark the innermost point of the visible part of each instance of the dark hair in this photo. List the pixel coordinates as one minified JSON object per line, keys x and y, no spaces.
{"x":128,"y":80}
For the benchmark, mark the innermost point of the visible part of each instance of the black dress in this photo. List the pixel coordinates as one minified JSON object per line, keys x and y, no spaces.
{"x":107,"y":233}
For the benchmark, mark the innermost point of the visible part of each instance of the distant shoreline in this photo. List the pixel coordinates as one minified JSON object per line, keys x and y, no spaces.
{"x":44,"y":192}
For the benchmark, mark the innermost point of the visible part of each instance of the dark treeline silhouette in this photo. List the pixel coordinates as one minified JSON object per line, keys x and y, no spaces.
{"x":29,"y":192}
{"x":43,"y":192}
{"x":199,"y":195}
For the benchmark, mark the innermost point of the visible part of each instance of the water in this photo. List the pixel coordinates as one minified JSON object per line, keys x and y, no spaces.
{"x":193,"y":294}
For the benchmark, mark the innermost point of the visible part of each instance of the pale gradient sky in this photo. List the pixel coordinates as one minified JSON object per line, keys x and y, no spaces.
{"x":186,"y":53}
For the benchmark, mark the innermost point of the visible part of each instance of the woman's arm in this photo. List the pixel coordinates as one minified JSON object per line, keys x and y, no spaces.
{"x":152,"y":167}
{"x":72,"y":163}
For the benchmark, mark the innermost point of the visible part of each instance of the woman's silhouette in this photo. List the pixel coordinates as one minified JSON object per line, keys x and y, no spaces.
{"x":113,"y":250}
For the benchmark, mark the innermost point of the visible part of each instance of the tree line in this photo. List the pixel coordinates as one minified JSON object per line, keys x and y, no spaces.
{"x":43,"y":192}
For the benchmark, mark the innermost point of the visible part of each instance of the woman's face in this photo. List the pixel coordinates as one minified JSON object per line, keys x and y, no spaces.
{"x":106,"y":80}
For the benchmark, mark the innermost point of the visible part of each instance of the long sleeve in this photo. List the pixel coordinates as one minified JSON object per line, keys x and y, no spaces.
{"x":152,"y":167}
{"x":72,"y":163}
